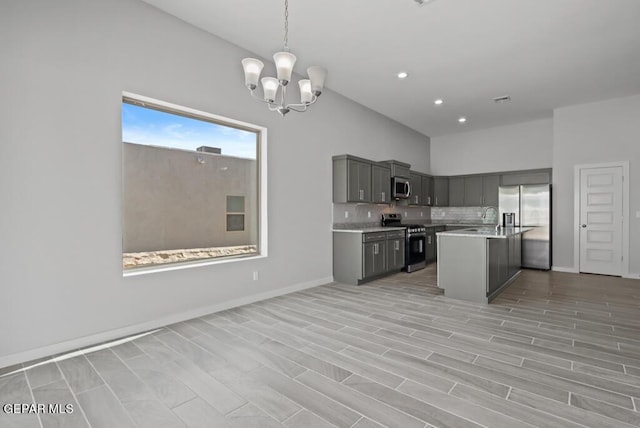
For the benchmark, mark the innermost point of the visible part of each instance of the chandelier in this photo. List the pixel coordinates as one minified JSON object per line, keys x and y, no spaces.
{"x":274,"y":90}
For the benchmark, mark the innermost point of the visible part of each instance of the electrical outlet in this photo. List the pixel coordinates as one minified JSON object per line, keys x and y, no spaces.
{"x":346,"y":214}
{"x":405,"y":213}
{"x":421,"y":214}
{"x":369,"y":214}
{"x":637,"y":214}
{"x":255,"y":275}
{"x":442,"y":214}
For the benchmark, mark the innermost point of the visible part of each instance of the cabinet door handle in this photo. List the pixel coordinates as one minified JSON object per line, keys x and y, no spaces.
{"x":383,"y":198}
{"x":361,"y":194}
{"x":396,"y":245}
{"x":429,"y":237}
{"x":420,"y":247}
{"x":436,"y":200}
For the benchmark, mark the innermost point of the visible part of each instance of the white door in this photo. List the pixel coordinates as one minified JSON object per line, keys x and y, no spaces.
{"x":601,"y":220}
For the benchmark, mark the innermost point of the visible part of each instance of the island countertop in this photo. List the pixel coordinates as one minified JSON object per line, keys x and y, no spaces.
{"x":486,"y":232}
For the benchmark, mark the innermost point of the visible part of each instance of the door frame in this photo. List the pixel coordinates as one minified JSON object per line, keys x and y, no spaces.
{"x":625,"y":212}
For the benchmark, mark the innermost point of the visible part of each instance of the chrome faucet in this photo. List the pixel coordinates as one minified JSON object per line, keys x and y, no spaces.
{"x":486,"y":210}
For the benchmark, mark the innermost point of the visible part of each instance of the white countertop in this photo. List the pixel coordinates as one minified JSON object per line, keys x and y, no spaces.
{"x":369,"y":229}
{"x":486,"y":232}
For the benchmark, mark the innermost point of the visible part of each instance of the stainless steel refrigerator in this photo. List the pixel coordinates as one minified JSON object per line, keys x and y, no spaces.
{"x":531,"y":205}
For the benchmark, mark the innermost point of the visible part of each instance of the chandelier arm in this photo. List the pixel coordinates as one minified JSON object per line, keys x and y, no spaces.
{"x":302,"y":105}
{"x":300,"y":108}
{"x":270,"y":103}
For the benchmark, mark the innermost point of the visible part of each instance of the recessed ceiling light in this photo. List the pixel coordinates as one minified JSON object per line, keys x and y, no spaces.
{"x":502,"y":99}
{"x":438,"y":102}
{"x":462,"y":119}
{"x":402,"y":75}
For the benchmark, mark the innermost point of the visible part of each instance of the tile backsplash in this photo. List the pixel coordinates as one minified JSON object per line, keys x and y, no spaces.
{"x":464,"y":215}
{"x":362,"y":215}
{"x":371,"y":214}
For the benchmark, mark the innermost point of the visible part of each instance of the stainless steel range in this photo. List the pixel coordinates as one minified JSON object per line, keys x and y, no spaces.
{"x":415,"y":256}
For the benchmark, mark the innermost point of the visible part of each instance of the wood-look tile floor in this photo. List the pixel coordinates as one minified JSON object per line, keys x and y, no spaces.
{"x":554,"y":350}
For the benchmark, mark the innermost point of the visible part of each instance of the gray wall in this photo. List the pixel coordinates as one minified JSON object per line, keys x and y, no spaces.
{"x":605,"y":131}
{"x":172,"y":201}
{"x":65,"y":65}
{"x":527,"y":145}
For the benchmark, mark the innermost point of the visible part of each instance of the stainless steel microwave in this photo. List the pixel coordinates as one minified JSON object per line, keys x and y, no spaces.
{"x":400,"y":188}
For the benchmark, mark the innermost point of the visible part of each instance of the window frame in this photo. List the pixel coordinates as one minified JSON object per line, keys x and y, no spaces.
{"x":261,"y":174}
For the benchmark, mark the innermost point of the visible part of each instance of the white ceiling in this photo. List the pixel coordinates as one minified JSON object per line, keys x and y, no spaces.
{"x":543,"y":53}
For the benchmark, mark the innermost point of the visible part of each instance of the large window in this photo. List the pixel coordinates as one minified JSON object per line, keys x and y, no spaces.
{"x":191,"y":185}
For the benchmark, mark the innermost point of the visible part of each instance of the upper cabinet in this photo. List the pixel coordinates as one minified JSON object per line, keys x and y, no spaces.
{"x":380,"y":183}
{"x":415,"y":181}
{"x":473,"y":191}
{"x":490,"y":185}
{"x":456,"y":191}
{"x":398,"y":169}
{"x":427,"y":190}
{"x":361,"y":180}
{"x":526,"y":177}
{"x":351,"y":179}
{"x":440,"y":191}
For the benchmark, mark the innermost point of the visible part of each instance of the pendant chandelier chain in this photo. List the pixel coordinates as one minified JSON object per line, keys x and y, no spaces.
{"x":286,"y":25}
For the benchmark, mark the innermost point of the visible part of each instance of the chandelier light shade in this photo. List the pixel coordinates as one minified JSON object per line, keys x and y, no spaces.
{"x":252,"y":69}
{"x":270,"y":88}
{"x":274,"y":90}
{"x":284,"y":66}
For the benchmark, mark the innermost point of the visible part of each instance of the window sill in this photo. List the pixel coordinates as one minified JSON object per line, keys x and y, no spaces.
{"x":188,"y":265}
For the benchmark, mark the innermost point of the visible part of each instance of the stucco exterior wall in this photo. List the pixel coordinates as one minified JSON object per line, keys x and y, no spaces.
{"x":173,"y":201}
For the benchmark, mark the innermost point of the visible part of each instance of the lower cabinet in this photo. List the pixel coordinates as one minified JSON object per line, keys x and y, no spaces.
{"x":431,"y":250}
{"x":504,"y":261}
{"x":374,"y":254}
{"x":362,"y":256}
{"x":395,"y":250}
{"x":430,"y":246}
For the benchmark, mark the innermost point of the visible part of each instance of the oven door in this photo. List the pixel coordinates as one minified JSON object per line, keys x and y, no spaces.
{"x":416,"y":252}
{"x":400,"y":187}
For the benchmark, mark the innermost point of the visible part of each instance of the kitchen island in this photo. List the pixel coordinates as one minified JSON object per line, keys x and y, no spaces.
{"x":477,"y":264}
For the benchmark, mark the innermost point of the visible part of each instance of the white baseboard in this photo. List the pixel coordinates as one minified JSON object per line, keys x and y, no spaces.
{"x":564,"y":269}
{"x":632,"y":276}
{"x":86,"y":341}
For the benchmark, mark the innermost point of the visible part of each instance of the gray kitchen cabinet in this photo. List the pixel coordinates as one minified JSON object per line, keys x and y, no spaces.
{"x":515,"y":254}
{"x":351,"y":179}
{"x":473,"y":191}
{"x":380,"y":184}
{"x":415,"y":181}
{"x":430,"y":245}
{"x":440,"y":191}
{"x":359,"y":257}
{"x":490,"y":185}
{"x":427,"y":190}
{"x":456,"y":191}
{"x":515,"y":178}
{"x":375,"y":259}
{"x":398,"y":169}
{"x":395,"y":250}
{"x":498,"y":263}
{"x":504,"y":260}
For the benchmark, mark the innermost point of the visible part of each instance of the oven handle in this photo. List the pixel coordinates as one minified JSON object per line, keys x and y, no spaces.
{"x":407,"y":188}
